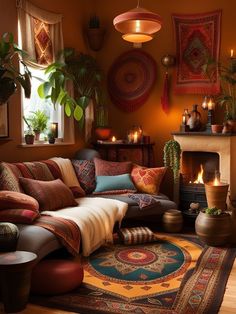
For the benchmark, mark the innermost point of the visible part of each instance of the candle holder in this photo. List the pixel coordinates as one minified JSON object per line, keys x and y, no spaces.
{"x":54,"y":129}
{"x":208,"y":104}
{"x":184,"y":127}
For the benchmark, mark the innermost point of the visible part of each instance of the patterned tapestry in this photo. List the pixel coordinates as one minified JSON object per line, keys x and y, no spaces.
{"x":197,"y":40}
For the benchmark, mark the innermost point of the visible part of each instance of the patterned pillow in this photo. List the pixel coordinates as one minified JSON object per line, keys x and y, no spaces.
{"x":111,"y":168}
{"x":9,"y":175}
{"x":147,"y":180}
{"x":16,"y":200}
{"x":51,"y":195}
{"x":144,"y":201}
{"x":18,"y":216}
{"x":85,"y":172}
{"x":136,"y":235}
{"x":111,"y":183}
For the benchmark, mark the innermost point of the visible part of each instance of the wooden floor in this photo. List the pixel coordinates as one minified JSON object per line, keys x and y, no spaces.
{"x":228,"y":305}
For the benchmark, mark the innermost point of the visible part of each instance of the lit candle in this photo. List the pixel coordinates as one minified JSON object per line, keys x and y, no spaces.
{"x":184,"y":119}
{"x":204,"y":103}
{"x":210,"y":104}
{"x":231,"y":53}
{"x":135,"y":137}
{"x":113,"y":139}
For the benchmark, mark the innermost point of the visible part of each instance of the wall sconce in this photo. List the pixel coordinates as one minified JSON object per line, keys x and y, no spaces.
{"x":208,"y":104}
{"x":54,"y":129}
{"x":137,"y":25}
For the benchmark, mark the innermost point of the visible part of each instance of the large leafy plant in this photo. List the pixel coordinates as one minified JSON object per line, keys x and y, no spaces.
{"x":80,"y":69}
{"x":10,"y":75}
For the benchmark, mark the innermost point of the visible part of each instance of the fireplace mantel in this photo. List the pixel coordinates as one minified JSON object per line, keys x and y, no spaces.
{"x":222,"y":144}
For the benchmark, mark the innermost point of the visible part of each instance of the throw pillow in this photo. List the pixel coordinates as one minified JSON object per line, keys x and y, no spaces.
{"x":147,"y":180}
{"x":85,"y":172}
{"x":111,"y":168}
{"x":9,"y":175}
{"x":144,"y":201}
{"x":51,"y":195}
{"x":136,"y":235}
{"x":12,"y":199}
{"x":114,"y":183}
{"x":18,"y":216}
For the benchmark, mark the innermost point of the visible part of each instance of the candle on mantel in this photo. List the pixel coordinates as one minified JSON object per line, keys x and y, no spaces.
{"x":184,"y":119}
{"x":210,"y":104}
{"x":231,"y":53}
{"x":113,"y":139}
{"x":135,"y":137}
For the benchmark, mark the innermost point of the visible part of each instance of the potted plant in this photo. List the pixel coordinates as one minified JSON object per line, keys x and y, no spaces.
{"x":80,"y":69}
{"x":172,"y":153}
{"x":95,"y":34}
{"x":51,"y":137}
{"x":10,"y":76}
{"x":213,"y":226}
{"x":29,"y":134}
{"x":38,"y":122}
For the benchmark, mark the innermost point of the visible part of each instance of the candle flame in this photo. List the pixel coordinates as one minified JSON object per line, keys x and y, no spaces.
{"x":113,"y":139}
{"x":231,"y":53}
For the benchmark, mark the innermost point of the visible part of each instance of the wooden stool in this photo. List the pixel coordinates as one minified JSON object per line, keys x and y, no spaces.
{"x":172,"y":220}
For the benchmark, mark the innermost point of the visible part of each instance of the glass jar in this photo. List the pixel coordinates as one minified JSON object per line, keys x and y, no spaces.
{"x":194,"y":122}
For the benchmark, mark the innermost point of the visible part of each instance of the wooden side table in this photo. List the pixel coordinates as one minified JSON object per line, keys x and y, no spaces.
{"x":15,"y":277}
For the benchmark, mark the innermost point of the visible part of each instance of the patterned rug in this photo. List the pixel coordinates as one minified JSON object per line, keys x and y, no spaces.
{"x":172,"y":275}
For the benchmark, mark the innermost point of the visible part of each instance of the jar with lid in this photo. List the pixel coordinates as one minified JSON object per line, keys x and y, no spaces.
{"x":194,"y":122}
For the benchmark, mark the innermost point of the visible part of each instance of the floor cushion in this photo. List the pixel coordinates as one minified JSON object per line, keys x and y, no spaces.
{"x":56,"y":276}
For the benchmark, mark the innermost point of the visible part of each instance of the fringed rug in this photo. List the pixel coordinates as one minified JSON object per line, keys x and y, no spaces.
{"x":172,"y":275}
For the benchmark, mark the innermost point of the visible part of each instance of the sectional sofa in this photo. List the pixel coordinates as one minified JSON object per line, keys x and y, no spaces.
{"x":88,"y":192}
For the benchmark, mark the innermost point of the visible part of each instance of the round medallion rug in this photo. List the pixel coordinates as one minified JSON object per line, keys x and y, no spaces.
{"x":138,"y":271}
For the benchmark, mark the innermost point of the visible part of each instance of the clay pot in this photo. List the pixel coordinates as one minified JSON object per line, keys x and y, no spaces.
{"x":214,"y":230}
{"x":29,"y":139}
{"x":232,"y":124}
{"x":227,"y":128}
{"x":172,"y":220}
{"x":103,"y":133}
{"x":216,"y":195}
{"x":216,"y":128}
{"x":95,"y":38}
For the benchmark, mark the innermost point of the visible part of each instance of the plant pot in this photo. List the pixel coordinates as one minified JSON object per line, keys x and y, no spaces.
{"x":172,"y":220}
{"x":216,"y":128}
{"x":232,"y":124}
{"x":216,"y":195}
{"x":103,"y":133}
{"x":29,"y":139}
{"x":214,"y":230}
{"x":37,"y":135}
{"x":95,"y":38}
{"x":51,"y":140}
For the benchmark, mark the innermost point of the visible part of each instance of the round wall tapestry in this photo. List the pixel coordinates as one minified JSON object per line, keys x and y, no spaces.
{"x":130,"y":79}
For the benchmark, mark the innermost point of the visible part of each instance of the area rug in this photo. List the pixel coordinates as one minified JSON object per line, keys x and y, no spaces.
{"x":172,"y":275}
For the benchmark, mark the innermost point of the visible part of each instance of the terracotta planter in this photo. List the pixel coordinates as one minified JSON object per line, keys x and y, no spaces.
{"x":216,"y":128}
{"x":103,"y":133}
{"x":232,"y":124}
{"x":37,"y":135}
{"x":172,"y":220}
{"x":214,"y":230}
{"x":95,"y":38}
{"x":29,"y":139}
{"x":216,"y":195}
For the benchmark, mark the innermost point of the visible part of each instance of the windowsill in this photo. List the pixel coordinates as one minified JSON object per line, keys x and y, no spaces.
{"x":45,"y":144}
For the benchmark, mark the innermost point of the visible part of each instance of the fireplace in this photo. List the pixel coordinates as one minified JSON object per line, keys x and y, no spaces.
{"x":215,"y":152}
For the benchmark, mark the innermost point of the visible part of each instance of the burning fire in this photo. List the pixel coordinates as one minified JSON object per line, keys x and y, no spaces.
{"x":199,"y":179}
{"x":216,"y":181}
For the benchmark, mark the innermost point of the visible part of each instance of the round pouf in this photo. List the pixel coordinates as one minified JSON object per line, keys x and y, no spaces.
{"x":9,"y":235}
{"x":51,"y":277}
{"x":172,"y":220}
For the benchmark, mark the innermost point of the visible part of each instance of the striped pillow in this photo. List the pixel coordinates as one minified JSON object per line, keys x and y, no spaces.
{"x":136,"y":235}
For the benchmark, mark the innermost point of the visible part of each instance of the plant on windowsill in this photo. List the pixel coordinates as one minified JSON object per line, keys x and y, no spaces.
{"x":83,"y":72}
{"x":95,"y":33}
{"x":10,"y":76}
{"x":29,"y":134}
{"x":213,"y":226}
{"x":172,"y":153}
{"x":38,"y":121}
{"x":51,"y":137}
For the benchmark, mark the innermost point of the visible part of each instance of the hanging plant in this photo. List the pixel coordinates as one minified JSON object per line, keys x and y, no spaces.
{"x":172,"y":153}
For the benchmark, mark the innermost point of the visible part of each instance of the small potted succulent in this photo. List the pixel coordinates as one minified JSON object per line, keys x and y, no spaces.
{"x":51,"y":137}
{"x":213,"y":226}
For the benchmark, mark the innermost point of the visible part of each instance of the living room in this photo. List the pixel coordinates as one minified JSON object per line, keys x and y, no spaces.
{"x":161,"y":111}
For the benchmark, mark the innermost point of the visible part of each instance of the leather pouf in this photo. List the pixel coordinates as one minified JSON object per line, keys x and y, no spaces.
{"x":51,"y":277}
{"x":9,"y":235}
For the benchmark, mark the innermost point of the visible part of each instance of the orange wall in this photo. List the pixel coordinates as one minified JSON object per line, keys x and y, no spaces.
{"x":75,"y":15}
{"x":153,"y":120}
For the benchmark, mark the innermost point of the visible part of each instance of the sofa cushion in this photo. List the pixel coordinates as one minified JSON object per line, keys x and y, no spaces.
{"x":111,"y":168}
{"x":18,"y":216}
{"x":16,"y":200}
{"x":9,"y":175}
{"x":114,"y":183}
{"x":85,"y":172}
{"x":143,"y":200}
{"x":51,"y":195}
{"x":147,"y":180}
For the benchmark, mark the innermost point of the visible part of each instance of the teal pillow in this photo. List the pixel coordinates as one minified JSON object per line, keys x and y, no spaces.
{"x":113,"y":183}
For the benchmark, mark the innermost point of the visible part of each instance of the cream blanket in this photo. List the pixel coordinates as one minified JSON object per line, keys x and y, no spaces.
{"x":95,"y":217}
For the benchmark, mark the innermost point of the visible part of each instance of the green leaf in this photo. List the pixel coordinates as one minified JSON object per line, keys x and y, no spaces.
{"x":61,"y":96}
{"x":83,"y":101}
{"x":78,"y":113}
{"x":43,"y":89}
{"x":68,"y":109}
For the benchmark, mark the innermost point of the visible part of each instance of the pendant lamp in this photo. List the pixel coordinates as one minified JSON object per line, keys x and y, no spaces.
{"x":137,"y":25}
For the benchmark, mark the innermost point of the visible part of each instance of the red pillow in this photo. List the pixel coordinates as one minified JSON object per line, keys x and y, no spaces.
{"x":16,"y":200}
{"x":18,"y":216}
{"x":111,"y":168}
{"x":51,"y":195}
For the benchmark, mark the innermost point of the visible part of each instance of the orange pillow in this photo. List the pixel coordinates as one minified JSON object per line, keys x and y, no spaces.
{"x":17,"y":200}
{"x":147,"y":180}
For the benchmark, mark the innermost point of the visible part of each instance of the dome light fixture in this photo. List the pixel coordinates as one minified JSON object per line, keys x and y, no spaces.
{"x":137,"y":25}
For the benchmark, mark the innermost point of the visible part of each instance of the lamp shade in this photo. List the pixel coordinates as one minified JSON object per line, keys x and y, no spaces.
{"x":137,"y":25}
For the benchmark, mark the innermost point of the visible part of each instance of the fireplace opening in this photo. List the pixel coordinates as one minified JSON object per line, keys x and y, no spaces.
{"x":197,"y":168}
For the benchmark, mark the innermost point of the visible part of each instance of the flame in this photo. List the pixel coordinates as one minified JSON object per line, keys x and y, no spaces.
{"x":199,"y":176}
{"x":216,"y":181}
